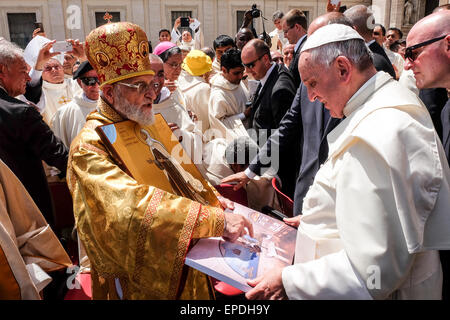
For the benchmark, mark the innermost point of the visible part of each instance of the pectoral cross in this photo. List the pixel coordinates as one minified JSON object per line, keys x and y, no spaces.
{"x":107,"y":17}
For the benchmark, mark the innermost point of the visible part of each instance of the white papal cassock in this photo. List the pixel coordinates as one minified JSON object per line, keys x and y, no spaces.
{"x":379,"y":207}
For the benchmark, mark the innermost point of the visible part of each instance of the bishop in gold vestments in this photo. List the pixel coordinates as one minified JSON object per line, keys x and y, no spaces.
{"x":135,"y":235}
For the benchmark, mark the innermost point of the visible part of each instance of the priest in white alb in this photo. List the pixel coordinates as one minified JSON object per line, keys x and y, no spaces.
{"x":229,"y":95}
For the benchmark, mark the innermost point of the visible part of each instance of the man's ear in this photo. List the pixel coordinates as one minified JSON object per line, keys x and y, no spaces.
{"x":108,"y":94}
{"x":344,"y":67}
{"x":224,"y":70}
{"x":3,"y":69}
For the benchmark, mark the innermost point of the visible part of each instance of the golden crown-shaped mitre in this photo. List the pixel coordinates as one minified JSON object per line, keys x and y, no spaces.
{"x":118,"y":51}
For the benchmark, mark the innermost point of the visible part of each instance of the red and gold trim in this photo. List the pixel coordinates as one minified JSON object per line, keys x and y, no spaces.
{"x":143,"y":231}
{"x":183,"y":245}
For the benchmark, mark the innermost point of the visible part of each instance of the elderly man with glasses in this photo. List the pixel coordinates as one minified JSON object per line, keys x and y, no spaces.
{"x":136,"y":234}
{"x":68,"y":120}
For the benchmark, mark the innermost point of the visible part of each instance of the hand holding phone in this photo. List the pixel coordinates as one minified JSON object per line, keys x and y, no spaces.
{"x":39,"y":25}
{"x":62,"y":46}
{"x":184,"y":22}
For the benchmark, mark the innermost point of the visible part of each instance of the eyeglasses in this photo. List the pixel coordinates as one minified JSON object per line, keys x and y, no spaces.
{"x":141,"y":87}
{"x":90,"y":81}
{"x":409,"y":54}
{"x":251,"y":65}
{"x":376,"y":33}
{"x":286,"y":31}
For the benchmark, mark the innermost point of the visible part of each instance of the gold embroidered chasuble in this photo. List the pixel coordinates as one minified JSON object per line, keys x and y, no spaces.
{"x":134,"y":233}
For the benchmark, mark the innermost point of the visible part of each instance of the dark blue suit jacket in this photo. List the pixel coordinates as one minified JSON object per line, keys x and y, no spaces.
{"x":305,"y":125}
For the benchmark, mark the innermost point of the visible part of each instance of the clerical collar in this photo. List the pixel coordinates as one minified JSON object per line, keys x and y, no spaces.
{"x":365,"y":91}
{"x":263,"y":80}
{"x":85,"y":98}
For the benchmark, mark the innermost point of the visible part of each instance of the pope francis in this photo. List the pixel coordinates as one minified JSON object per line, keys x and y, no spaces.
{"x":135,"y":235}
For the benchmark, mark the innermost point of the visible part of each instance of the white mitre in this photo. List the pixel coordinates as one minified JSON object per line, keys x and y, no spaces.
{"x":330,"y":33}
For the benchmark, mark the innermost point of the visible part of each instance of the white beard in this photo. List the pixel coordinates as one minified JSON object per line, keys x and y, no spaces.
{"x":133,"y":112}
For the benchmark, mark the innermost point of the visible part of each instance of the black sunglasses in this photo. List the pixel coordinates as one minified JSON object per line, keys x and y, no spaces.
{"x":409,"y":54}
{"x":90,"y":81}
{"x":252,"y":64}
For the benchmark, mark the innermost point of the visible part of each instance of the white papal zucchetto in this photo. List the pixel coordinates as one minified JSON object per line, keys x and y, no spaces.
{"x":330,"y":33}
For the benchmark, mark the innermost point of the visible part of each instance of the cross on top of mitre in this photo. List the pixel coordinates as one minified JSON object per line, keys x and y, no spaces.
{"x":107,"y":17}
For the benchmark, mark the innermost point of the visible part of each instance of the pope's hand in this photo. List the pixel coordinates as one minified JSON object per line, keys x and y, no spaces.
{"x":240,"y":177}
{"x":267,"y":287}
{"x":236,"y":226}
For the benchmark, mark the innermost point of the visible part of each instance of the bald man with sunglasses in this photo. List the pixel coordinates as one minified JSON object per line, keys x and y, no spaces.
{"x":428,"y":55}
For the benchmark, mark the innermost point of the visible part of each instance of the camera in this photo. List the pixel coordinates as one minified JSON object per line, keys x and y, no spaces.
{"x":256,"y":13}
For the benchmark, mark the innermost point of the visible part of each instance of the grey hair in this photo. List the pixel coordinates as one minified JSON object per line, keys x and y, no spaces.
{"x":277,"y":15}
{"x":355,"y":50}
{"x":9,"y":52}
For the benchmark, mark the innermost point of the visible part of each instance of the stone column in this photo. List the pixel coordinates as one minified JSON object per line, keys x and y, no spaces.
{"x":382,"y":12}
{"x":56,"y":17}
{"x":138,"y":13}
{"x":154,"y":13}
{"x":74,"y":21}
{"x":208,"y":25}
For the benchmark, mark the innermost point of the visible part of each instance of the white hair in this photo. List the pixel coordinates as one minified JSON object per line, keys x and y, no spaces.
{"x":9,"y":52}
{"x":355,"y":50}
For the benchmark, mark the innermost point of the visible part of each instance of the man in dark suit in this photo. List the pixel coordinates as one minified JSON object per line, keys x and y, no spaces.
{"x":272,"y":99}
{"x":363,"y":21}
{"x":276,"y":90}
{"x":294,"y":25}
{"x":25,"y":139}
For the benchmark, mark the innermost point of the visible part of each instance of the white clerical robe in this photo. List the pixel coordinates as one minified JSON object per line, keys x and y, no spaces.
{"x":276,"y":35}
{"x":378,"y":209}
{"x":396,"y":60}
{"x":196,"y":93}
{"x":56,"y":95}
{"x":191,"y":136}
{"x":226,"y":108}
{"x":28,"y":247}
{"x":68,"y":120}
{"x":260,"y":192}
